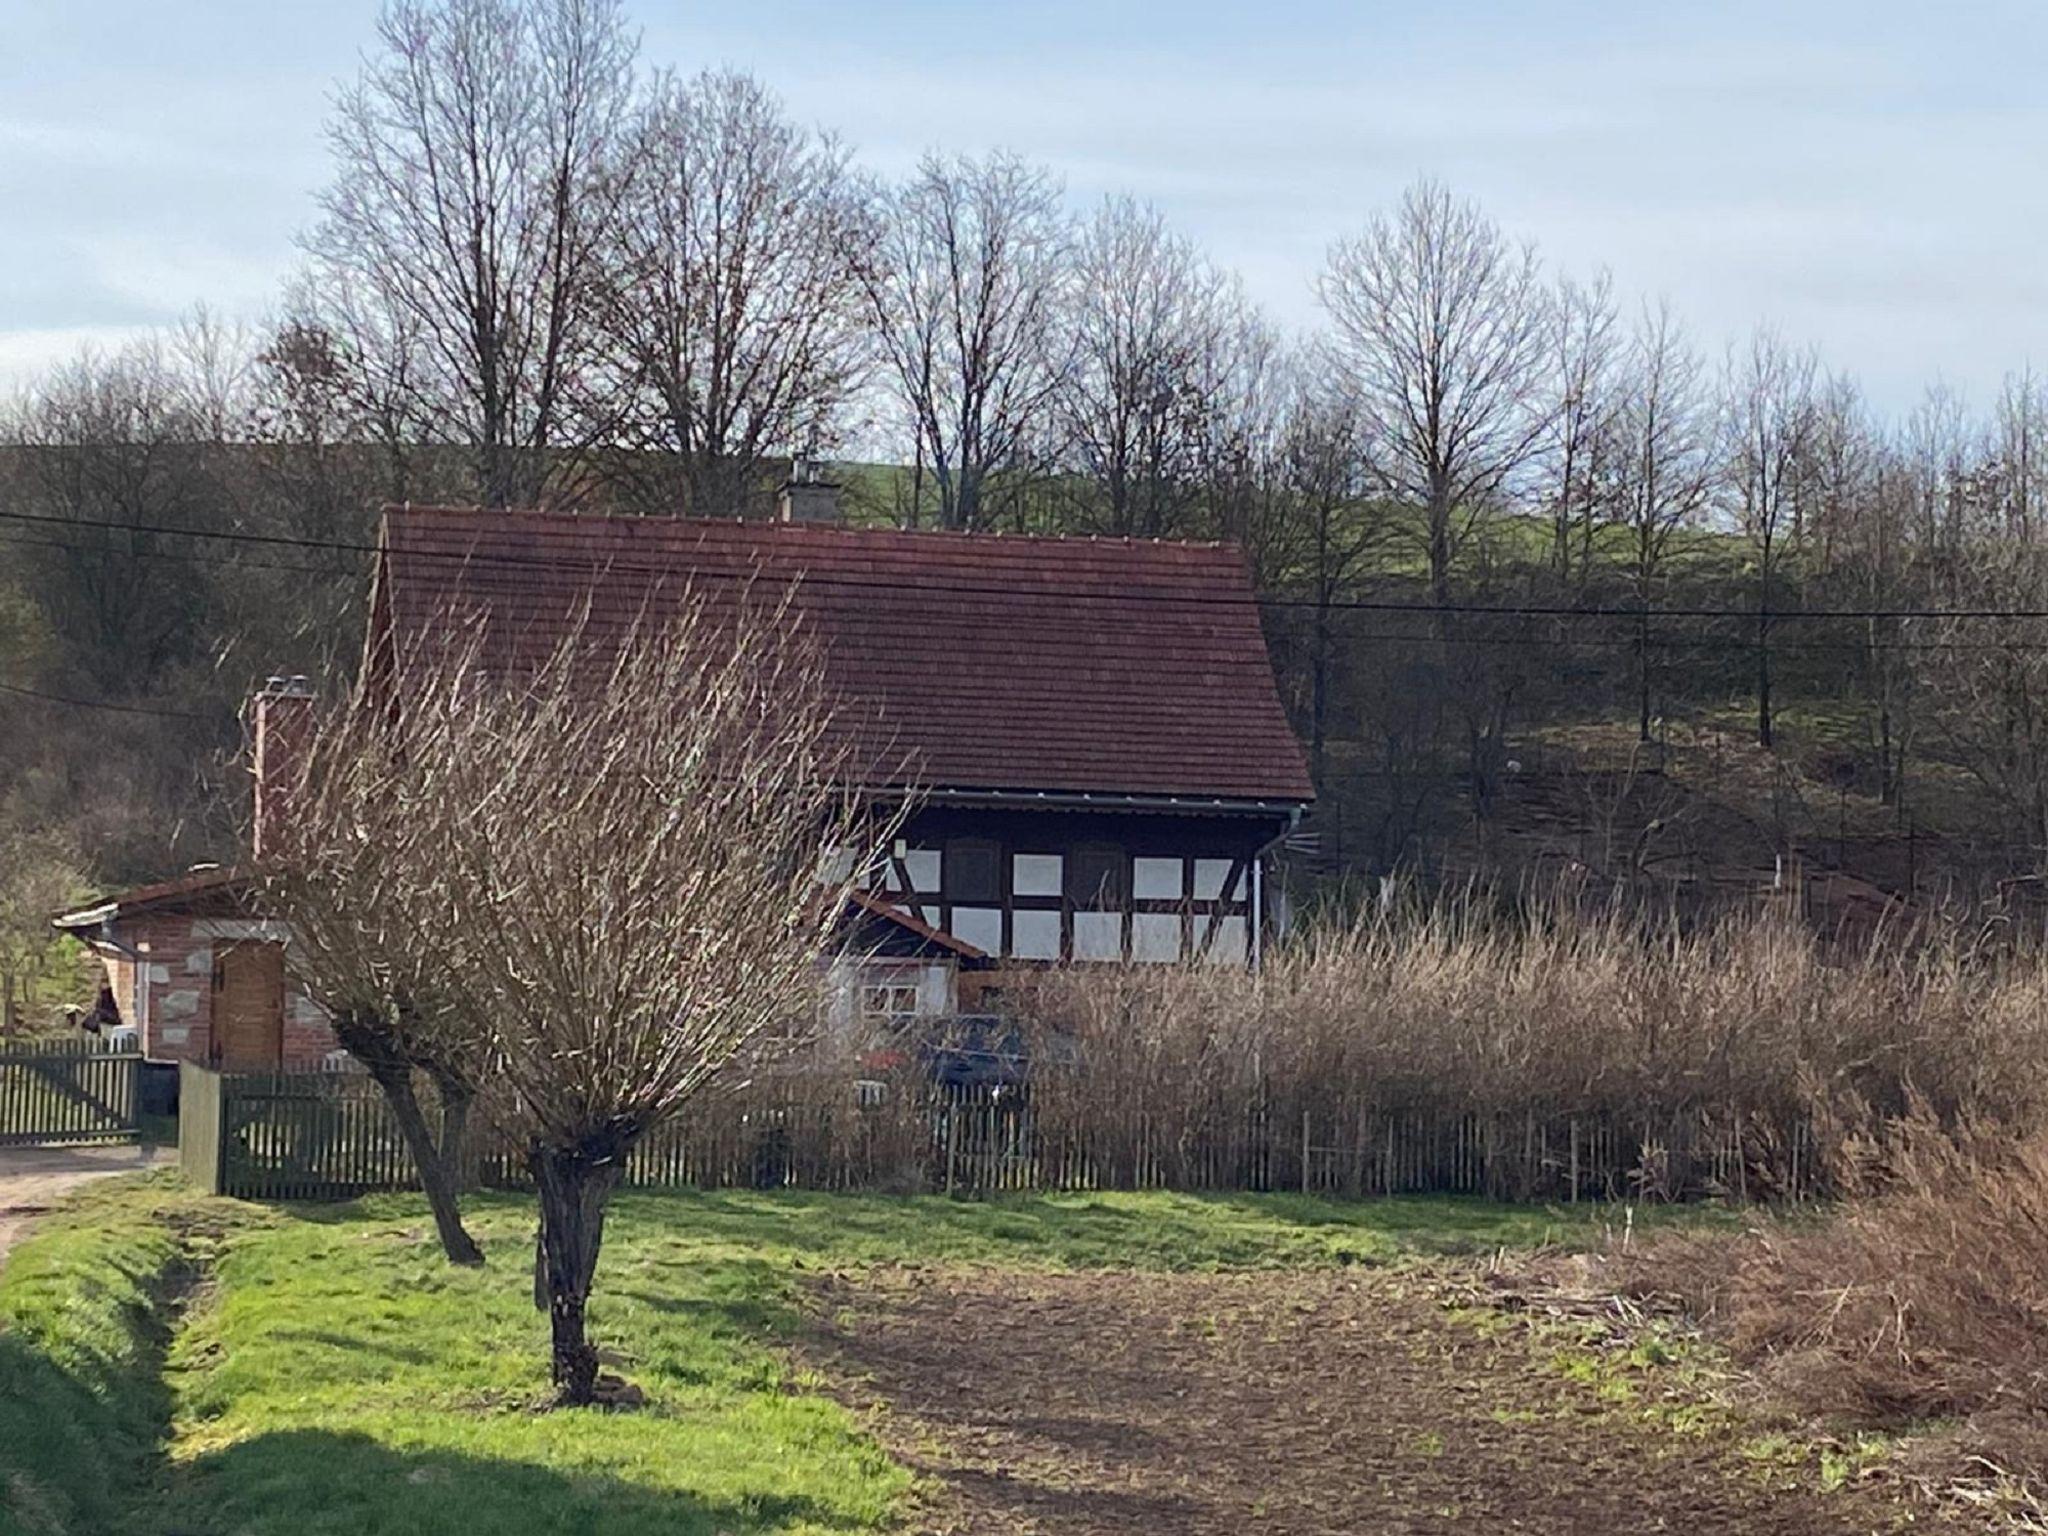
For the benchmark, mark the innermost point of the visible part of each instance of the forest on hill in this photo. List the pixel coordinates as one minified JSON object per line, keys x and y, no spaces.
{"x":1553,"y":586}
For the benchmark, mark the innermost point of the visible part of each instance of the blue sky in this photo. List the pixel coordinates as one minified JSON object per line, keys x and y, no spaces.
{"x":1868,"y":176}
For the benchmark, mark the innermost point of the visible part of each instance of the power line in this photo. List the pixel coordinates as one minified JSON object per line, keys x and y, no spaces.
{"x":1662,"y":642}
{"x":601,"y":566}
{"x":107,"y":704}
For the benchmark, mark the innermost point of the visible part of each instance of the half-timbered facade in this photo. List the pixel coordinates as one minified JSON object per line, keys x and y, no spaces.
{"x":1087,"y":730}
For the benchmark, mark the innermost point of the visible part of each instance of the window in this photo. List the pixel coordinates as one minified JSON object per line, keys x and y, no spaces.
{"x":884,"y":1000}
{"x":973,"y":870}
{"x":1157,"y":879}
{"x":1098,"y":878}
{"x":1036,"y":874}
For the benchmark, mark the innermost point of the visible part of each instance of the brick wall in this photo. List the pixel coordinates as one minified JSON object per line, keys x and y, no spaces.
{"x":178,"y":949}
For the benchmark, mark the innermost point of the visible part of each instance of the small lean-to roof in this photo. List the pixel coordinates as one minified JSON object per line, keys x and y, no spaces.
{"x":212,"y":888}
{"x":915,"y":926}
{"x":985,"y":662}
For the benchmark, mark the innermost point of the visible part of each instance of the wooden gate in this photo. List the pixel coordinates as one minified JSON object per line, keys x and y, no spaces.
{"x":55,"y":1091}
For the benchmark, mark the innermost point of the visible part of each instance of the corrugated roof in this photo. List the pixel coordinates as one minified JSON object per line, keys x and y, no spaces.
{"x":961,"y":661}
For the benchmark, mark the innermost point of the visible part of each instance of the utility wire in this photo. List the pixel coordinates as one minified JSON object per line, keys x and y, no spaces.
{"x":1662,"y":641}
{"x":603,"y":566}
{"x":107,"y":704}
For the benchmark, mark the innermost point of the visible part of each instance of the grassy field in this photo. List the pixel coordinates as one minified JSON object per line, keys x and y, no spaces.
{"x":318,"y":1370}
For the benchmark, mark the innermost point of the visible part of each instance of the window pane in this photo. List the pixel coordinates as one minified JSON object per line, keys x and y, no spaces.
{"x":1098,"y":935}
{"x":972,"y":872}
{"x":1157,"y":879}
{"x":1156,"y":936}
{"x":1096,"y":877}
{"x":1209,"y":877}
{"x":980,"y":926}
{"x":1037,"y":874}
{"x":1035,"y":935}
{"x":924,"y":866}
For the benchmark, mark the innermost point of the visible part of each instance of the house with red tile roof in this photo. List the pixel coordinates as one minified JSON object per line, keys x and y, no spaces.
{"x":1086,"y":732}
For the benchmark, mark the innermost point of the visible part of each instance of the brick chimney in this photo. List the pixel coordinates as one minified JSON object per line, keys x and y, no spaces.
{"x":280,"y":729}
{"x":806,"y":496}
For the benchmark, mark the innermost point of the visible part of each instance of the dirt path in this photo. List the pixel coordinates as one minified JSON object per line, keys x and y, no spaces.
{"x":32,"y":1179}
{"x":1288,"y":1404}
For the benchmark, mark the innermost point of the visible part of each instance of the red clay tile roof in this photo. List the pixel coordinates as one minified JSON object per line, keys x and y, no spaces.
{"x":211,"y":887}
{"x":961,"y":661}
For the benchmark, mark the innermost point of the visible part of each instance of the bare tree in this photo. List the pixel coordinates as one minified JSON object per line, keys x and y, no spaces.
{"x":732,"y":300}
{"x":116,"y":453}
{"x":1338,"y":523}
{"x":1768,"y":420}
{"x":1442,"y":330}
{"x":1586,"y":343}
{"x":1663,"y":468}
{"x":612,"y":861}
{"x":1156,"y":330}
{"x":462,"y":230}
{"x":2020,"y":449}
{"x":966,"y":293}
{"x":1987,"y":696}
{"x":1937,"y":445}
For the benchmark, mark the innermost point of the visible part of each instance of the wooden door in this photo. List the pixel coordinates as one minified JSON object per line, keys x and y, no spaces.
{"x":248,"y":1007}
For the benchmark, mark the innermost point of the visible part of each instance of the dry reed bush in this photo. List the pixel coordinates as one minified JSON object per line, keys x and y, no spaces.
{"x":1552,"y":1015}
{"x":1921,"y":1301}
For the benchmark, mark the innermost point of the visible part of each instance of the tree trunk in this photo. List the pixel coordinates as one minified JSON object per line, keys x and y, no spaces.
{"x":1643,"y":675}
{"x":456,"y":1098}
{"x":575,"y":1186}
{"x":436,"y":1168}
{"x":1763,"y":668}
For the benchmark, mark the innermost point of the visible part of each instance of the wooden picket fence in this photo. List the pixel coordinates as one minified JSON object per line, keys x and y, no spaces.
{"x":312,"y":1136}
{"x":75,"y":1090}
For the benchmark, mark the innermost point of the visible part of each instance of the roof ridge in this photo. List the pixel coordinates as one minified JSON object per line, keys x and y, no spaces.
{"x":839,"y":530}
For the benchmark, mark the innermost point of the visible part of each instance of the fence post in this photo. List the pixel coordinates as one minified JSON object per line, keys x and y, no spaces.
{"x":952,"y":1139}
{"x":201,"y":1152}
{"x":1304,"y":1151}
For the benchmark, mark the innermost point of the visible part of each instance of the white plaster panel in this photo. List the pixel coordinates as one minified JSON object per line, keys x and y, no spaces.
{"x":1154,"y":879}
{"x":1156,"y":936}
{"x":1098,"y":935}
{"x":1035,"y":935}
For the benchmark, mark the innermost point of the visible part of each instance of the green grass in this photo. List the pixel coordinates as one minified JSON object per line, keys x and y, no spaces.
{"x":334,"y":1375}
{"x":82,"y":1332}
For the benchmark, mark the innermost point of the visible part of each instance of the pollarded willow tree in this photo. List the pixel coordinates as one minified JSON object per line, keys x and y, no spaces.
{"x":609,"y":864}
{"x":342,"y":863}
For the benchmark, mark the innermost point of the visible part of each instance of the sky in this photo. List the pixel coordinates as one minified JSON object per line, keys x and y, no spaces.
{"x":1866,"y":177}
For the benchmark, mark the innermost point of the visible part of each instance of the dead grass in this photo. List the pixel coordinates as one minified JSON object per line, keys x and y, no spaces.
{"x":1542,"y":1013}
{"x":1920,"y":1305}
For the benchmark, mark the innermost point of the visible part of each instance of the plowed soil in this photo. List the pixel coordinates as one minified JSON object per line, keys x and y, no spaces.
{"x":1290,"y":1403}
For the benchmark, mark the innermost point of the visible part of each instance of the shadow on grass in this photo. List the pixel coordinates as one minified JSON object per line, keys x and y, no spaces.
{"x":322,"y":1483}
{"x":74,"y":1451}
